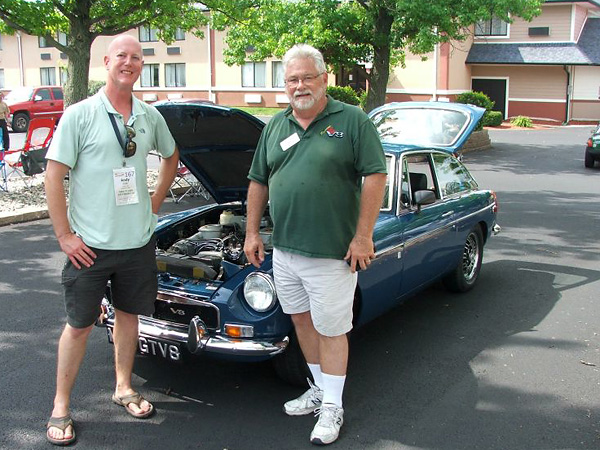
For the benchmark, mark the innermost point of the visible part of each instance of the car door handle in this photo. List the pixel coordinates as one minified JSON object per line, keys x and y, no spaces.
{"x":447,"y":214}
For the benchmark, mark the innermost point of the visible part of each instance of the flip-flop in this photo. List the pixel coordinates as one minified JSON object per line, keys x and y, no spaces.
{"x":62,"y":423}
{"x":136,"y":399}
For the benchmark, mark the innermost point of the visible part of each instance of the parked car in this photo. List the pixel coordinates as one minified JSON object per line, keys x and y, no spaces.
{"x":26,"y":103}
{"x":433,"y":225}
{"x":592,"y":151}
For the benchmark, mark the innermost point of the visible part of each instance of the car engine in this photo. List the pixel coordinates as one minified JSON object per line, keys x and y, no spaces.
{"x":203,"y":254}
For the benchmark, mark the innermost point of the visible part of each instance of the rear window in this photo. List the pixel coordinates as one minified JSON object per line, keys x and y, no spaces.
{"x":58,"y":93}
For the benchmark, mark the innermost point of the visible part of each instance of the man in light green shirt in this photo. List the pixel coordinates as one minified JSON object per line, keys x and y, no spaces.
{"x":107,"y":232}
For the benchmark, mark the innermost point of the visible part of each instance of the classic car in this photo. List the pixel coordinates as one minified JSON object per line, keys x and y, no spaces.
{"x":592,"y":150}
{"x":433,"y":225}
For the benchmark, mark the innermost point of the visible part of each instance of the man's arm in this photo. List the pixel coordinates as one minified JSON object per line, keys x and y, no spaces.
{"x":70,"y":243}
{"x":258,"y":196}
{"x":166,"y":175}
{"x":361,"y":249}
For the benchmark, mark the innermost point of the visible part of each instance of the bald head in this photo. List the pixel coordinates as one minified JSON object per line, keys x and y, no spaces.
{"x":123,"y":40}
{"x":123,"y":62}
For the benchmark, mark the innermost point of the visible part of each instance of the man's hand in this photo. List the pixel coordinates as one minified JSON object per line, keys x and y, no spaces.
{"x":361,"y":251}
{"x":254,"y":249}
{"x":76,"y":250}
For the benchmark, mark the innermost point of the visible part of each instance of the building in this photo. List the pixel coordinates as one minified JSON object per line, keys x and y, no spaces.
{"x":547,"y":69}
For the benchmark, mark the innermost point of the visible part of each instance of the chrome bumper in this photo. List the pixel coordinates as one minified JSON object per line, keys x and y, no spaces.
{"x":197,"y":340}
{"x":496,"y":229}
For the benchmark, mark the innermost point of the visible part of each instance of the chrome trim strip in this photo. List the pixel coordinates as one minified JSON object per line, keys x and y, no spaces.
{"x":152,"y":328}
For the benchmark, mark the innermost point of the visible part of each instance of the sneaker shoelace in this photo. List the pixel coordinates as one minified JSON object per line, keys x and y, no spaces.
{"x":327,"y":415}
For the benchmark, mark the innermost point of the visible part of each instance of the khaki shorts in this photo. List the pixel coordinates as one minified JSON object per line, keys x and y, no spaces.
{"x":132,"y":274}
{"x":325,"y":287}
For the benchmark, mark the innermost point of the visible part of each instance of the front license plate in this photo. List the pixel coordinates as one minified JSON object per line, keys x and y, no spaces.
{"x":154,"y":347}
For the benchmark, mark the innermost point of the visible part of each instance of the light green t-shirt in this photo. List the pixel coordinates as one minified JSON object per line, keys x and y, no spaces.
{"x":314,"y":177}
{"x":86,"y":142}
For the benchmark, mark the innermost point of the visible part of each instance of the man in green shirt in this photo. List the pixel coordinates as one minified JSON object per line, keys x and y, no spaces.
{"x":310,"y":164}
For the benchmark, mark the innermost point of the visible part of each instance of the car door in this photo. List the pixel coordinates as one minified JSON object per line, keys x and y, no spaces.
{"x":44,"y":104}
{"x":428,"y":232}
{"x":57,"y":93}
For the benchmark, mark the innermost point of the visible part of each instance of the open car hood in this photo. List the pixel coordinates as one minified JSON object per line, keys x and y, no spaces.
{"x":441,"y":125}
{"x":215,"y":143}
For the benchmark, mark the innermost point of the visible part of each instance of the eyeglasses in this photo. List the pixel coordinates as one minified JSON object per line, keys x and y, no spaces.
{"x":307,"y":79}
{"x":130,"y":145}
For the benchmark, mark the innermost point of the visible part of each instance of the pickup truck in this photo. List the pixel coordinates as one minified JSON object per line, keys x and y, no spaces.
{"x":26,"y":103}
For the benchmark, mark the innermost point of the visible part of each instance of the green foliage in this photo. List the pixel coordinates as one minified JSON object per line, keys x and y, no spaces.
{"x":376,"y":31}
{"x":522,"y":121}
{"x":492,"y":119}
{"x":475,"y":98}
{"x":94,"y":86}
{"x":344,"y":94}
{"x":362,"y":98}
{"x":84,"y":21}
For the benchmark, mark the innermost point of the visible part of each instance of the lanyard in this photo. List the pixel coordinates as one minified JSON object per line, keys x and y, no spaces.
{"x":117,"y":133}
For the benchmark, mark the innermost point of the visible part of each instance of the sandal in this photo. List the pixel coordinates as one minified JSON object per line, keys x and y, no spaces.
{"x":136,"y":399}
{"x":62,"y":423}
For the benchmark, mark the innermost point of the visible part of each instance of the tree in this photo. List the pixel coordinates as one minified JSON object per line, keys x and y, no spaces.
{"x":347,"y":32}
{"x":84,"y":20}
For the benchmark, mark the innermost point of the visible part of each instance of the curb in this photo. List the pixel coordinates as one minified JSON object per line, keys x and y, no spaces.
{"x":26,"y":215}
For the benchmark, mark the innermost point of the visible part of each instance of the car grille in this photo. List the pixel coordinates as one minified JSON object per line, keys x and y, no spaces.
{"x":179,"y":309}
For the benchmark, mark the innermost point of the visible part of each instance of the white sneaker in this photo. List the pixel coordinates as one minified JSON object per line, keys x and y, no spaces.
{"x":305,"y":404}
{"x":327,"y":429}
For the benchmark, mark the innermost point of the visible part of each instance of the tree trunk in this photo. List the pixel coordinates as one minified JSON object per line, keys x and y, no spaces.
{"x":380,"y":73}
{"x":79,"y":51}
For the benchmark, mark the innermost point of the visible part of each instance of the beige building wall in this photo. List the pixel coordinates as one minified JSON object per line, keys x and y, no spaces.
{"x":579,"y":16}
{"x":459,"y":79}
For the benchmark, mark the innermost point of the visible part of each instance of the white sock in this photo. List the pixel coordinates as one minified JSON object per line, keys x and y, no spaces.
{"x":333,"y":387}
{"x":315,"y":370}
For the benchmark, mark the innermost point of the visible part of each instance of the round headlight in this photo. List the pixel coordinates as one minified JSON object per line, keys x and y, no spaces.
{"x":259,"y":290}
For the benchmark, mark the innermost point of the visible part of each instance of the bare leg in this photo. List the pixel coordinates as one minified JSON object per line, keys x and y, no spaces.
{"x":126,"y":338}
{"x":334,"y":354}
{"x":308,"y":338}
{"x":71,"y":350}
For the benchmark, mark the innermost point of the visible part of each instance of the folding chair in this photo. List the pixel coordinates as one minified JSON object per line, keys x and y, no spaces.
{"x":186,"y":184}
{"x":29,"y":160}
{"x":3,"y":173}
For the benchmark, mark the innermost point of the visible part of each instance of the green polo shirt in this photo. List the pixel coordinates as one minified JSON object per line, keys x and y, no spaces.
{"x":86,"y":142}
{"x":315,"y":177}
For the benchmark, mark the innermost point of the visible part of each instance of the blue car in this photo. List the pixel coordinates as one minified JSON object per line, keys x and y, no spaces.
{"x":433,"y":225}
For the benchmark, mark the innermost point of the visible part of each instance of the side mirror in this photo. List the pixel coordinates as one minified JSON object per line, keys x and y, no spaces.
{"x":37,"y":98}
{"x":425,"y":197}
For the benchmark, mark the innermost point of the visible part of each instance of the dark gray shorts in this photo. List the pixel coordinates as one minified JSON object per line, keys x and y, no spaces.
{"x":132,"y":274}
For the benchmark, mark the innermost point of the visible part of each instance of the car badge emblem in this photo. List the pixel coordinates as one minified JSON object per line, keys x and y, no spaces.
{"x":332,"y":133}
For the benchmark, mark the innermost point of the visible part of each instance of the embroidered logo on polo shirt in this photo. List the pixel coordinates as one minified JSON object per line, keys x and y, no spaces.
{"x":332,"y":133}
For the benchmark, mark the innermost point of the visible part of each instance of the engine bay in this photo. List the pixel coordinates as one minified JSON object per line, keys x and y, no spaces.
{"x":205,"y":247}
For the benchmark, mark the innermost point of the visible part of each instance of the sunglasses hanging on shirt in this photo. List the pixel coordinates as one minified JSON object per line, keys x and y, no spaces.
{"x":129,"y":147}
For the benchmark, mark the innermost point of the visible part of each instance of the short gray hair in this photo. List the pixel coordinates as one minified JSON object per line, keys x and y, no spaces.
{"x":300,"y":51}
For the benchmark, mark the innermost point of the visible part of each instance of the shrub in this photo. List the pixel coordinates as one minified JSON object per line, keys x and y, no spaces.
{"x":94,"y":87}
{"x":521,"y":121}
{"x":477,"y":99}
{"x":344,"y":94}
{"x":492,"y":119}
{"x":362,"y":99}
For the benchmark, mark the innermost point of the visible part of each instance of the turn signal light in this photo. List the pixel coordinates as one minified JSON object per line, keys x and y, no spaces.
{"x":495,"y":207}
{"x":239,"y":331}
{"x":590,"y":143}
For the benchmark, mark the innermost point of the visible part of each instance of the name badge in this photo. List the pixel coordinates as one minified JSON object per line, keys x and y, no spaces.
{"x":289,"y":141}
{"x":125,"y":186}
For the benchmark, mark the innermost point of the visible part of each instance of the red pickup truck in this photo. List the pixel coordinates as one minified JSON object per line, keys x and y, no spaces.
{"x":26,"y":103}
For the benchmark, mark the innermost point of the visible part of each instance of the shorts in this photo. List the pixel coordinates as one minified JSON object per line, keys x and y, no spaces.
{"x":133,"y":277}
{"x":323,"y":286}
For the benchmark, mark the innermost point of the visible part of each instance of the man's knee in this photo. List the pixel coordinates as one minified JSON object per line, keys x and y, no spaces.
{"x":302,"y":320}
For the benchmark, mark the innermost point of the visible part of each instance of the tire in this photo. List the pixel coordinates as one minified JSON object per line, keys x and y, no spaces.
{"x":464,"y":276}
{"x":20,"y":122}
{"x":291,"y":366}
{"x":589,"y":159}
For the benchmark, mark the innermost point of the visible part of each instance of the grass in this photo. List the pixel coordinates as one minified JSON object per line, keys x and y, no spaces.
{"x":259,"y":111}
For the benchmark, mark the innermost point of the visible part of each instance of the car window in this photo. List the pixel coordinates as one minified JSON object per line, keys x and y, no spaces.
{"x":58,"y":93}
{"x":388,"y":197}
{"x":417,"y":175}
{"x":452,"y":176}
{"x":420,"y":126}
{"x":44,"y":93}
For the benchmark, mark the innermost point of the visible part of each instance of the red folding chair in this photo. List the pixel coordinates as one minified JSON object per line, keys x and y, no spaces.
{"x":29,"y":160}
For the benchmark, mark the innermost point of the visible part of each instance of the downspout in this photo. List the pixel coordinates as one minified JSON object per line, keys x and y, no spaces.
{"x":436,"y":55}
{"x":20,"y":51}
{"x":210,"y":65}
{"x":568,"y":108}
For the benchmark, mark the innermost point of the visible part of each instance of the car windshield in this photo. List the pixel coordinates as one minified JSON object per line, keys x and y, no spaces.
{"x":21,"y":94}
{"x":420,"y":126}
